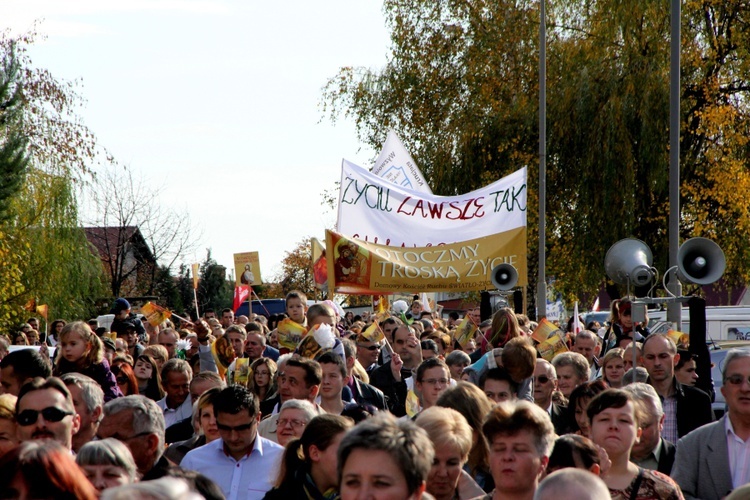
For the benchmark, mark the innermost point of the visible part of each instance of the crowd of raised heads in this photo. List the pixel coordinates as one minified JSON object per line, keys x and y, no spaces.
{"x":406,"y":403}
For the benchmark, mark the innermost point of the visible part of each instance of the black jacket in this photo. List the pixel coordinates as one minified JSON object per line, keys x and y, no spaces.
{"x":693,"y":408}
{"x":560,"y":421}
{"x":395,"y":392}
{"x":666,"y":457}
{"x":366,"y":393}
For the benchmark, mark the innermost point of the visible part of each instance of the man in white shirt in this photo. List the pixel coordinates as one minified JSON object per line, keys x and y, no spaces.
{"x":242,"y":463}
{"x":177,"y":405}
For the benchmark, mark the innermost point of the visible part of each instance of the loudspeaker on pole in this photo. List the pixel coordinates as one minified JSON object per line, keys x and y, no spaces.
{"x":700,"y":261}
{"x":504,"y":276}
{"x":629,"y":259}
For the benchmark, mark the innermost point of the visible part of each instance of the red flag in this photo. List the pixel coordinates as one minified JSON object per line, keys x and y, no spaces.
{"x":241,"y":293}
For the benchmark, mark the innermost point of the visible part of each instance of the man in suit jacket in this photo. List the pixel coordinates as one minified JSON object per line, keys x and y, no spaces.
{"x":362,"y":392}
{"x":651,"y":451}
{"x":705,"y":467}
{"x":545,"y":382}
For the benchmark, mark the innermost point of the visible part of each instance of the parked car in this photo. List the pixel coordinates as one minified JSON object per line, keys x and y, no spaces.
{"x":718,"y":352}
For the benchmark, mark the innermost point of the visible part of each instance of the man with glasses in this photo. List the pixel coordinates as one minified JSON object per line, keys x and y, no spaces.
{"x":545,"y":383}
{"x":139,"y":423}
{"x":651,"y":451}
{"x":361,"y":392}
{"x":367,"y":353}
{"x":241,"y":462}
{"x":715,"y":459}
{"x":44,"y":410}
{"x":433,"y":378}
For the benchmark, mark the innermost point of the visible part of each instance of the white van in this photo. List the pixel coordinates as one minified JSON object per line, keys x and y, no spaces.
{"x":722,"y":322}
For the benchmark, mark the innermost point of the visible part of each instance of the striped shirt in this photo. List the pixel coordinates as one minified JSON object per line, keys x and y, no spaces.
{"x":739,"y":456}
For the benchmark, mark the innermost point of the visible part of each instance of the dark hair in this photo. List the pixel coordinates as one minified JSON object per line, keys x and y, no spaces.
{"x":39,"y":383}
{"x":197,"y":482}
{"x":313,"y":372}
{"x":358,"y":412}
{"x":685,"y":356}
{"x":125,"y":370}
{"x":319,"y":432}
{"x":154,"y":386}
{"x":431,"y":363}
{"x":572,"y":450}
{"x":584,"y":392}
{"x":296,"y":294}
{"x":500,"y":374}
{"x":429,"y":345}
{"x":333,"y":359}
{"x":26,"y":363}
{"x":47,"y":469}
{"x":234,"y":399}
{"x":613,"y":398}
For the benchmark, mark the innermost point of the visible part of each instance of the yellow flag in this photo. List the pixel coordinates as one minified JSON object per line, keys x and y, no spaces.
{"x":543,"y":330}
{"x":465,"y":331}
{"x":155,"y":314}
{"x":373,"y":333}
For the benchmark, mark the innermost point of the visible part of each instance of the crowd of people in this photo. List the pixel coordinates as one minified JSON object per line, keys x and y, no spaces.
{"x":387,"y":405}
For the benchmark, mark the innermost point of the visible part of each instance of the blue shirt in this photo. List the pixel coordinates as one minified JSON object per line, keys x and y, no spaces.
{"x":247,"y":478}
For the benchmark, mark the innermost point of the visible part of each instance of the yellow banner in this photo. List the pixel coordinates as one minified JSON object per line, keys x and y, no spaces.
{"x":357,"y":267}
{"x":247,"y":269}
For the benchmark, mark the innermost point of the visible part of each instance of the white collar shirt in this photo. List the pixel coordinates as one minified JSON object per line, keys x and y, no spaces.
{"x":248,"y":478}
{"x":175,"y":415}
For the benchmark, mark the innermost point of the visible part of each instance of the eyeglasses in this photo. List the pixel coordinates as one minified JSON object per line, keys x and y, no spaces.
{"x":370,"y":347}
{"x":296,"y":424}
{"x":51,"y":414}
{"x":542,"y":379}
{"x":436,"y":381}
{"x":737,"y":379}
{"x":237,"y":428}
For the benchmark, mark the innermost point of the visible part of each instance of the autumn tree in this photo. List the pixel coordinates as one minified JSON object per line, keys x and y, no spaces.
{"x":296,"y":270}
{"x":461,"y":89}
{"x":44,"y":256}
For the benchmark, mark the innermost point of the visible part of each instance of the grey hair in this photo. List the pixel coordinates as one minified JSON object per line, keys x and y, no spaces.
{"x":176,"y":365}
{"x":91,"y":393}
{"x":575,"y":361}
{"x":641,"y":375}
{"x":166,"y":488}
{"x":108,"y":451}
{"x":572,"y":483}
{"x":731,"y":356}
{"x":457,"y":357}
{"x":148,"y":418}
{"x":282,"y":360}
{"x":643,"y":392}
{"x":300,"y":404}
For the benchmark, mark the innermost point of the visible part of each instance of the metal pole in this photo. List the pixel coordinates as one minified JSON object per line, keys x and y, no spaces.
{"x":674,"y":309}
{"x":541,"y":287}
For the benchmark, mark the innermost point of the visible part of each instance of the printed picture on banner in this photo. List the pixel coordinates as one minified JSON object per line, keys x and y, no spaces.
{"x":247,"y":269}
{"x":352,"y":263}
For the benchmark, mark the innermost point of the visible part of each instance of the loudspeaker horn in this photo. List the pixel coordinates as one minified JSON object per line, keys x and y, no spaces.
{"x":629,"y":259}
{"x":700,"y":261}
{"x":504,"y":276}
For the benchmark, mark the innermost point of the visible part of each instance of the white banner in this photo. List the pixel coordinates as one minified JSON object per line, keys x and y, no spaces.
{"x":377,"y":211}
{"x":396,"y":165}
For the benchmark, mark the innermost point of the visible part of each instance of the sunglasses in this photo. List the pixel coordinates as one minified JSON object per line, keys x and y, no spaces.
{"x":122,"y":380}
{"x":51,"y":414}
{"x":237,"y":428}
{"x":542,"y":379}
{"x":370,"y":347}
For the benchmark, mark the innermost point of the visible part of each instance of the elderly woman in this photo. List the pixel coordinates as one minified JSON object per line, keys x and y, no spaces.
{"x":451,"y":438}
{"x":107,"y":463}
{"x":387,"y":456}
{"x":8,"y":425}
{"x":294,"y":416}
{"x":204,"y":425}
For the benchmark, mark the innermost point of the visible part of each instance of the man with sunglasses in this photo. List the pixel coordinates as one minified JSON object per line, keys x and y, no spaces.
{"x":713,"y":460}
{"x":44,"y":410}
{"x":545,"y":383}
{"x":241,"y":462}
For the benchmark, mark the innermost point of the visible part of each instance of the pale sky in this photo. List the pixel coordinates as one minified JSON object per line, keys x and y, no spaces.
{"x":217,"y":101}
